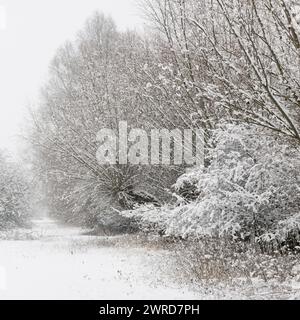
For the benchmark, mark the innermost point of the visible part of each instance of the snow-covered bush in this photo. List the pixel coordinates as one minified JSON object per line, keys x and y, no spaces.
{"x":252,"y":183}
{"x":151,"y":219}
{"x":249,"y":191}
{"x":14,"y":196}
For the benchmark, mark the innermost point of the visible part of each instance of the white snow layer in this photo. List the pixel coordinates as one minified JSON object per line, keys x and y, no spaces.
{"x":62,"y":264}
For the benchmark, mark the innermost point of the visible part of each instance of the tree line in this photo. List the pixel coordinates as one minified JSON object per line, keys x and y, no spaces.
{"x":230,"y":68}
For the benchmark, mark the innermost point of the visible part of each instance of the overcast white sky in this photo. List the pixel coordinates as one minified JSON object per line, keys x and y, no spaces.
{"x":34,"y":30}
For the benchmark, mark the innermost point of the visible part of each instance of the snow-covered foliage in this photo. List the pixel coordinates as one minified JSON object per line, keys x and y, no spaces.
{"x":14,"y":195}
{"x":249,"y":191}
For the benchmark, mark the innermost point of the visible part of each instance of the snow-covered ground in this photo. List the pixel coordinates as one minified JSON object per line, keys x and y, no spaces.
{"x":52,"y":261}
{"x":55,"y":262}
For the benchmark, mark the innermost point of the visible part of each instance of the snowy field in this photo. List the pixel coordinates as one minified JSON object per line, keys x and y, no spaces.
{"x":60,"y":263}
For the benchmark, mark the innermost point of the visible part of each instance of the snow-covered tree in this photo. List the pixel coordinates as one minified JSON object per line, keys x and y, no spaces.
{"x":14,"y":194}
{"x":222,"y":58}
{"x":94,"y":83}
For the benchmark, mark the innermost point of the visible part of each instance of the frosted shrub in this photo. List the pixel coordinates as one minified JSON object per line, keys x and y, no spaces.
{"x":250,"y":185}
{"x":249,"y":191}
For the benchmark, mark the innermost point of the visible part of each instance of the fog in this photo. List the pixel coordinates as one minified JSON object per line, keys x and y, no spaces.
{"x":30,"y":33}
